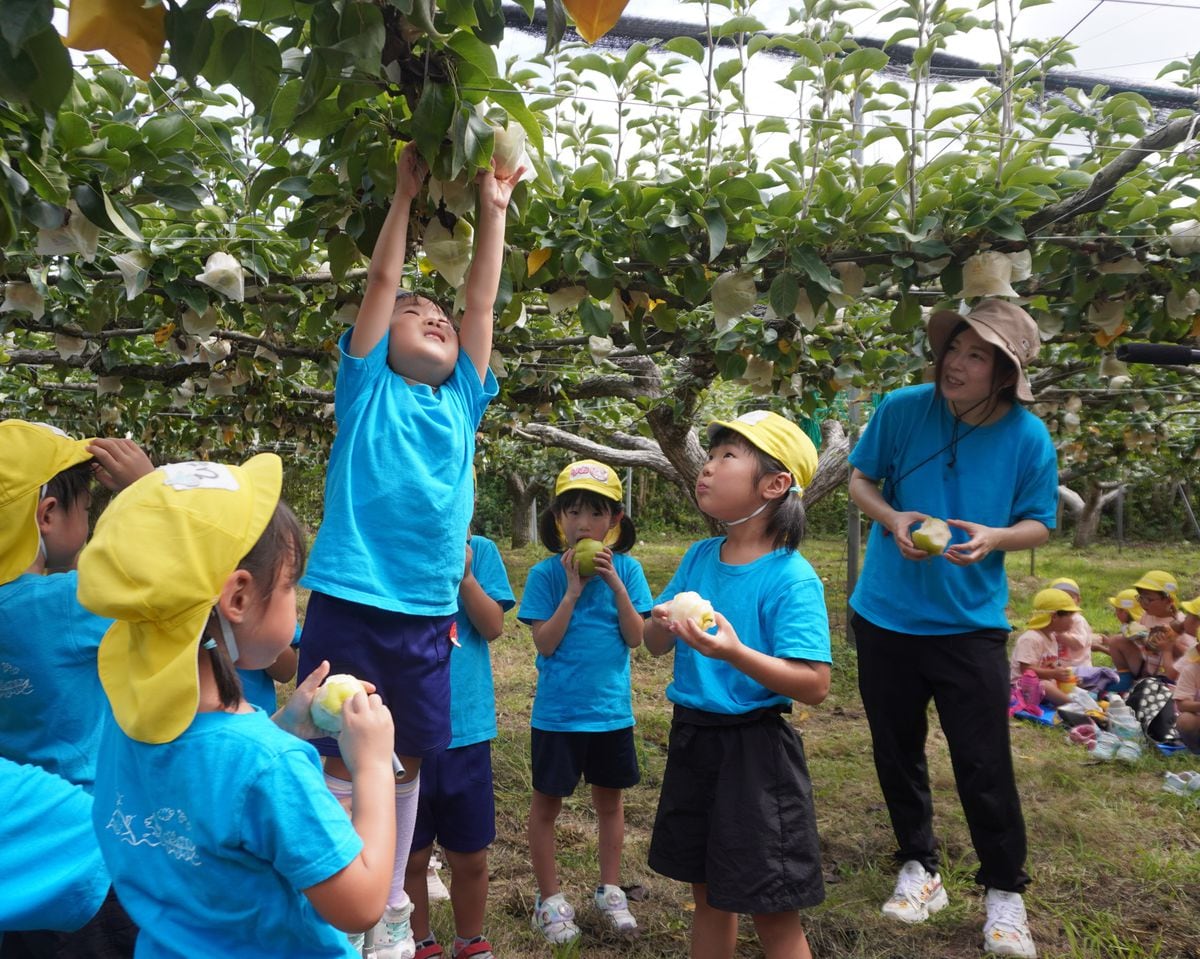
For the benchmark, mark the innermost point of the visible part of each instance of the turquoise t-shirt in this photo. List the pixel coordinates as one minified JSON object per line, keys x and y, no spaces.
{"x":472,"y":693}
{"x":398,"y":487}
{"x":52,"y":875}
{"x":210,"y":839}
{"x":584,"y":687}
{"x":996,"y":475}
{"x":776,"y":605}
{"x":52,"y":706}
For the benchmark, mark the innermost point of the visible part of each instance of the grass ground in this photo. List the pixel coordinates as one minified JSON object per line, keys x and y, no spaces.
{"x":1116,"y":861}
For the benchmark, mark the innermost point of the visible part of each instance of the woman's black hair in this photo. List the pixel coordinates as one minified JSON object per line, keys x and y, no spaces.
{"x":66,"y":487}
{"x":548,"y":522}
{"x":785,"y":516}
{"x":281,"y":546}
{"x":447,"y":309}
{"x":1003,"y":368}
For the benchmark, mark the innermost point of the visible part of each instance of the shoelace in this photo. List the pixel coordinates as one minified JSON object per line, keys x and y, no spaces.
{"x":1007,"y":915}
{"x":911,"y":884}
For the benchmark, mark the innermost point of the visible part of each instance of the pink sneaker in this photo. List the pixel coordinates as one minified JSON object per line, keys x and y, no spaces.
{"x":1083,"y":734}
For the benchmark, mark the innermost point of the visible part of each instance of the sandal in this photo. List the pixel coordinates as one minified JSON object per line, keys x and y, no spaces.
{"x":431,"y":951}
{"x":479,"y":950}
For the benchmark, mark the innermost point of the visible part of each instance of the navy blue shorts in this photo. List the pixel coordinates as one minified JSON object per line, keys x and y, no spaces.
{"x":457,"y":806}
{"x":605,"y":759}
{"x":406,"y":657}
{"x":736,"y":812}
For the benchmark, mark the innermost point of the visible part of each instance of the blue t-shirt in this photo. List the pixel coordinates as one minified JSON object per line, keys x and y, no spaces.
{"x":52,"y":706}
{"x":584,"y":687}
{"x":1001,"y":473}
{"x":775,"y":604}
{"x":210,"y":838}
{"x":52,"y":876}
{"x":398,"y":487}
{"x":472,"y":693}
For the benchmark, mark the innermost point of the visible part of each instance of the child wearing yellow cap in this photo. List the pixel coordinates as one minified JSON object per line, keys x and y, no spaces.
{"x":412,"y":385}
{"x":1039,"y":650}
{"x":1077,"y":639}
{"x":213,"y":820}
{"x":1187,"y":686}
{"x":1152,"y":650}
{"x":585,"y":606}
{"x":48,"y":642}
{"x":732,"y":686}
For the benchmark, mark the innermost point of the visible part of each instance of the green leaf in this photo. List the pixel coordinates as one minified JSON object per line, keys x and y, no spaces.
{"x":475,"y":52}
{"x":717,"y":231}
{"x":105,"y":213}
{"x":168,"y":132}
{"x":784,"y":292}
{"x":736,"y":25}
{"x":432,"y":118}
{"x":556,"y":24}
{"x":21,"y":20}
{"x":687,"y":47}
{"x":739,"y":193}
{"x":865,"y":60}
{"x":595,"y":320}
{"x":50,"y":183}
{"x":907,"y":314}
{"x":175,"y":195}
{"x":252,"y":63}
{"x":507,"y":95}
{"x":361,"y":36}
{"x":473,"y":140}
{"x":342,"y":254}
{"x":190,"y":36}
{"x":815,"y":269}
{"x":40,"y":74}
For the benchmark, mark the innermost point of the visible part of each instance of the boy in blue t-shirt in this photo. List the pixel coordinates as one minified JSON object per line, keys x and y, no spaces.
{"x":52,"y":709}
{"x":458,"y":803}
{"x":387,"y":561}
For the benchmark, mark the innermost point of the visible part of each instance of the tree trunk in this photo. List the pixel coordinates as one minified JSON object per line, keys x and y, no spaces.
{"x":1098,"y":496}
{"x":521,"y":494}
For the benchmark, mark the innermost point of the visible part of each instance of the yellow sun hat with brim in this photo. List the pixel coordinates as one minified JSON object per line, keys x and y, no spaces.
{"x":1048,"y":602}
{"x":1191,"y":606}
{"x":156,"y":564}
{"x":591,"y":475}
{"x":1127,"y":599}
{"x":31,"y":454}
{"x":1066,"y":584}
{"x":1158,"y":581}
{"x":776,"y":436}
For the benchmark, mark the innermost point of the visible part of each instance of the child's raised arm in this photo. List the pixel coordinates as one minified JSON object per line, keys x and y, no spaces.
{"x":387,"y":261}
{"x":483,"y":280}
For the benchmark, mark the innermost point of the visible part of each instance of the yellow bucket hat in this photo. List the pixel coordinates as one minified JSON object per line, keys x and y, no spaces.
{"x":591,"y":475}
{"x":156,"y":564}
{"x":31,"y":454}
{"x":1127,"y":599}
{"x":1158,"y":581}
{"x":1048,"y":602}
{"x":1191,"y":606}
{"x":776,"y":436}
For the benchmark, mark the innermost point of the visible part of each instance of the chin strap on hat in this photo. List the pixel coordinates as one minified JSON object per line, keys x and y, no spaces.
{"x":227,"y":634}
{"x":746,"y":519}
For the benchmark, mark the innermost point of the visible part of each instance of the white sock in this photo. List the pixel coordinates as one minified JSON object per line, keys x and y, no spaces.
{"x":342,"y":789}
{"x":407,"y":795}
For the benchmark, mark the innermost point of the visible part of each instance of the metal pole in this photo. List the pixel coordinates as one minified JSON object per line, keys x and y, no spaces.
{"x":533,"y":512}
{"x":853,"y":518}
{"x":1188,"y":506}
{"x":1120,"y":517}
{"x":629,"y":491}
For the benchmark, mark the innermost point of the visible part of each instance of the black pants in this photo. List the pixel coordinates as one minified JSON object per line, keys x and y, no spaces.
{"x":966,"y":676}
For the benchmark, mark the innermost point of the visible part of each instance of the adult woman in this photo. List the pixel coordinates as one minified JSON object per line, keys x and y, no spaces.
{"x":934,"y":627}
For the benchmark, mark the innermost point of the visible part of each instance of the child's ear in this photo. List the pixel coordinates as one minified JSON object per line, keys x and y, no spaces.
{"x":236,"y":596}
{"x":48,"y":509}
{"x":775,"y":485}
{"x":614,"y":518}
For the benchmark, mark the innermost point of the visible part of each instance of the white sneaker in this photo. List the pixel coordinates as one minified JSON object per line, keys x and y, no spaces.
{"x":555,"y":919}
{"x":393,"y":934}
{"x":918,"y":894}
{"x":1006,"y":932}
{"x":433,"y":883}
{"x":614,"y":907}
{"x":1181,"y":784}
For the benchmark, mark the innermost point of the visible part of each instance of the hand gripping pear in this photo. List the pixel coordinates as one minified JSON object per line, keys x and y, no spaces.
{"x":933,"y":536}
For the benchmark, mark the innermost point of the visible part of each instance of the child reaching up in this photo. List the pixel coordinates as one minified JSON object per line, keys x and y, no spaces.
{"x":412,"y":385}
{"x":586,"y":611}
{"x":213,"y":821}
{"x":730,"y":744}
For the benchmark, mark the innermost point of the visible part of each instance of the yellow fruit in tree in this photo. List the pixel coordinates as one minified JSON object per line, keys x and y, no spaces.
{"x":933,"y":536}
{"x":585,"y":555}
